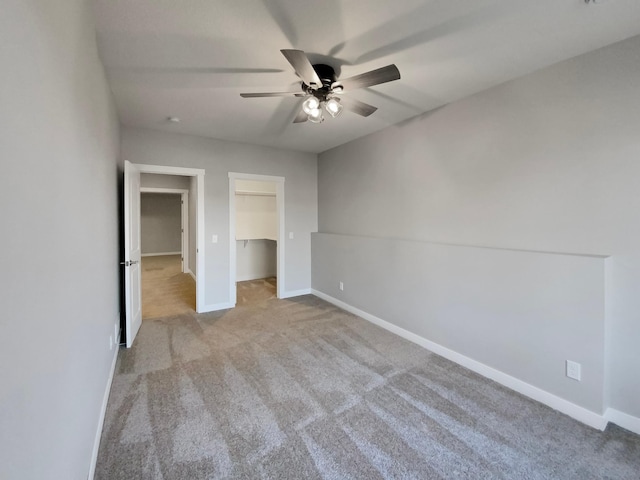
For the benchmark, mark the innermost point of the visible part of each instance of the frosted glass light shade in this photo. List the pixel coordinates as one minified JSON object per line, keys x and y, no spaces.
{"x":316,"y":116}
{"x":310,"y":104}
{"x":333,"y":107}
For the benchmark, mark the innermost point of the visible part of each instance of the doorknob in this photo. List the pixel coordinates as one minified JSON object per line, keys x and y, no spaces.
{"x":128,"y":263}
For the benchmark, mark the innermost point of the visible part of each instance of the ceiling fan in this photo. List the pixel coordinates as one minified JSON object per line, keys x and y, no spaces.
{"x":321,"y":87}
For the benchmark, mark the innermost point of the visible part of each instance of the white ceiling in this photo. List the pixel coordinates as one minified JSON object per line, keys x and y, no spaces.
{"x":192,"y":58}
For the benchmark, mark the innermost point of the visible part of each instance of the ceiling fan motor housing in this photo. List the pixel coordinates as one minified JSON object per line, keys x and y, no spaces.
{"x":327,"y":75}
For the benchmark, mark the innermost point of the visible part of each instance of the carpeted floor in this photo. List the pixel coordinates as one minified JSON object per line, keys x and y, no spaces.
{"x":165,"y":289}
{"x":298,"y":389}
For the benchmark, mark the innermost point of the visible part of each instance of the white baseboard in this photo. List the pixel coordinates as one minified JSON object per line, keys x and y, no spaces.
{"x":160,"y":254}
{"x":623,"y":420}
{"x":217,"y":306}
{"x":296,"y":293}
{"x":193,"y":275}
{"x":575,"y":411}
{"x":103,"y":411}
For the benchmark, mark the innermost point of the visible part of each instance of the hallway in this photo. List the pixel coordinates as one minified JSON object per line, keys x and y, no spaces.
{"x":166,"y":290}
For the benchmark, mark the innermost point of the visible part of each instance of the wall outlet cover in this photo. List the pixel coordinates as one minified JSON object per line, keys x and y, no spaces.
{"x":573,"y":370}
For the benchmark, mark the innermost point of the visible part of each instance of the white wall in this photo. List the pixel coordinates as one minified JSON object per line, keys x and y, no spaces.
{"x":547,"y":163}
{"x":60,"y":245}
{"x":256,"y":217}
{"x":161,"y":223}
{"x":218,"y":158}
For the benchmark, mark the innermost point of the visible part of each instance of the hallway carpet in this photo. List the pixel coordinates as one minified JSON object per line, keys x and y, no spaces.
{"x":299,"y":389}
{"x":165,"y":289}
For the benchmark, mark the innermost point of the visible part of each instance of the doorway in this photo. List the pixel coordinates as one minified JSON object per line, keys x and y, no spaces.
{"x":132,"y":244}
{"x":168,"y":284}
{"x":256,"y":221}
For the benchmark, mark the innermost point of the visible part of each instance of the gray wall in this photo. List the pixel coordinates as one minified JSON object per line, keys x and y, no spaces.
{"x":164,"y":181}
{"x":256,"y":259}
{"x":218,"y":158}
{"x":547,"y":163}
{"x":161,"y":223}
{"x":60,"y":244}
{"x":523,"y":313}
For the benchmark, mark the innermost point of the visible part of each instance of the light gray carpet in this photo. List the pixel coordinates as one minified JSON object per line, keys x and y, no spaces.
{"x":298,"y":389}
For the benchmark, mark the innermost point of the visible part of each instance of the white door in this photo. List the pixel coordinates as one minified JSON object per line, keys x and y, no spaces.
{"x":132,"y":290}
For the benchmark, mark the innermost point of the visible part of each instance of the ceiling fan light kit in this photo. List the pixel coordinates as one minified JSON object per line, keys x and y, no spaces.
{"x":310,"y":104}
{"x":333,"y":107}
{"x":320,"y":87}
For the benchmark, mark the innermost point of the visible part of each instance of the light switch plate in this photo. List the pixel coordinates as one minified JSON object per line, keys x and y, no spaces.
{"x":573,"y":370}
{"x":214,"y":238}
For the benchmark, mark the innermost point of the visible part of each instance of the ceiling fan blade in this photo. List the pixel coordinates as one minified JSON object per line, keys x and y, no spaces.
{"x":301,"y":117}
{"x":301,"y":64}
{"x":369,"y":79}
{"x":272,"y":94}
{"x":358,"y":107}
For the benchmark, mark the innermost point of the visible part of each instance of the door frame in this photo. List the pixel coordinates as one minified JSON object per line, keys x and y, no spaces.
{"x":198,"y":173}
{"x":279,"y":181}
{"x":184,"y":221}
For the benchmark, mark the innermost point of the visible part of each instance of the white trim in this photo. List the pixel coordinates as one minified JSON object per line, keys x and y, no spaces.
{"x":296,"y":293}
{"x":163,"y":190}
{"x":103,"y":411}
{"x":280,"y":243}
{"x":575,"y":411}
{"x":255,"y":177}
{"x":191,"y":273}
{"x":217,"y":306}
{"x":159,"y":254}
{"x":165,"y":170}
{"x":623,"y":420}
{"x":200,"y":250}
{"x":249,"y":193}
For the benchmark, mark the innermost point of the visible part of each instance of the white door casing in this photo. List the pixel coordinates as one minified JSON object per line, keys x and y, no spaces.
{"x":132,"y":274}
{"x":199,"y":253}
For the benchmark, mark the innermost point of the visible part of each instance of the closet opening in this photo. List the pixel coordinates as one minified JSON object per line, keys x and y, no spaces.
{"x":257,"y":243}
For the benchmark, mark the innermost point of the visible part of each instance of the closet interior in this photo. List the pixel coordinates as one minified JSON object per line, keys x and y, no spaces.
{"x":256,"y":230}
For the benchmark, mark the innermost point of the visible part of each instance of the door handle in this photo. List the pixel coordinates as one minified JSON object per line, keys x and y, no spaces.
{"x":128,"y":263}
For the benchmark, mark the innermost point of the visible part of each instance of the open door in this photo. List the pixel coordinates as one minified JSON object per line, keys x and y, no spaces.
{"x":132,"y":273}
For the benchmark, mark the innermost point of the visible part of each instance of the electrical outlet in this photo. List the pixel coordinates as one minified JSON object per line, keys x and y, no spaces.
{"x":110,"y":342}
{"x":573,"y":370}
{"x":341,"y":286}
